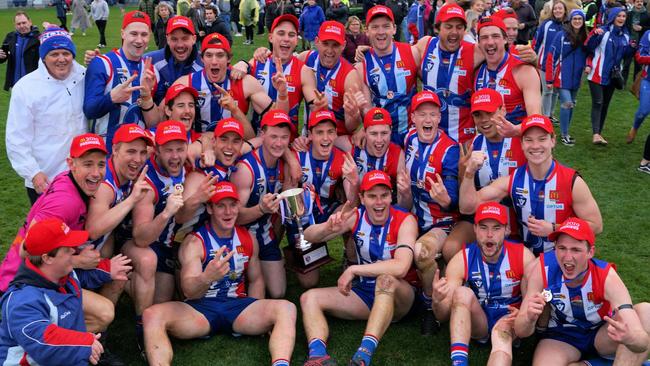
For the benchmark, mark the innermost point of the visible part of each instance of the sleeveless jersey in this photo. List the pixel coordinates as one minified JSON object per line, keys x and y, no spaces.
{"x":550,"y":199}
{"x":163,"y":186}
{"x":503,"y":81}
{"x":497,"y":285}
{"x":425,"y":160}
{"x":119,"y":69}
{"x":233,"y":284}
{"x":211,"y":111}
{"x":323,"y":175}
{"x":168,"y":70}
{"x":392,"y":82}
{"x":451,"y":77}
{"x":374,"y":243}
{"x":331,"y":82}
{"x":576,"y":309}
{"x":503,"y":158}
{"x":120,"y":192}
{"x":291,"y":70}
{"x":265,"y":180}
{"x":387,"y":163}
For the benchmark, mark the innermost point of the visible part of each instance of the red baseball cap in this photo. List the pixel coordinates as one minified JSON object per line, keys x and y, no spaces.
{"x":377,"y":11}
{"x":275,"y":117}
{"x":450,"y":11}
{"x":491,"y":210}
{"x":180,"y":22}
{"x":373,"y":178}
{"x":422,"y":97}
{"x":506,"y":13}
{"x":536,"y":120}
{"x":286,"y":18}
{"x":321,"y":116}
{"x":332,"y":30}
{"x":176,"y":89}
{"x":170,"y":130}
{"x":576,"y":228}
{"x":130,"y":132}
{"x":223,"y":190}
{"x":86,"y":142}
{"x":487,"y":100}
{"x":216,"y":41}
{"x":49,"y":234}
{"x":377,"y":116}
{"x":136,"y":16}
{"x":229,"y":125}
{"x":493,"y":21}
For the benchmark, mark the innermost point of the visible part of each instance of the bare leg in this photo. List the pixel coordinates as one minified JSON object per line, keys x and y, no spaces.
{"x":165,"y":285}
{"x":98,"y":311}
{"x":462,"y":233}
{"x":552,"y":352}
{"x":502,"y":336}
{"x":606,"y":346}
{"x":177,"y":318}
{"x":143,"y":277}
{"x":113,"y":290}
{"x":427,"y":249}
{"x":275,"y":278}
{"x":277,"y":316}
{"x":309,"y":279}
{"x":467,"y":318}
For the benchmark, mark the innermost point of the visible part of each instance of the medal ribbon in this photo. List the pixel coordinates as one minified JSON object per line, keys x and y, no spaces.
{"x":488,"y":287}
{"x":389,"y":76}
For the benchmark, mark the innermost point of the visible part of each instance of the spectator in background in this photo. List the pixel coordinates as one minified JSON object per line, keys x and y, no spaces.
{"x":415,"y":19}
{"x":487,"y":8}
{"x":277,"y":8}
{"x":45,"y":113}
{"x":213,"y":24}
{"x":355,"y":36}
{"x":338,"y":12}
{"x":642,"y":57}
{"x":470,"y":33}
{"x":99,"y":11}
{"x":20,"y":49}
{"x":164,"y":11}
{"x":527,"y":20}
{"x":60,"y":6}
{"x":260,"y":22}
{"x":148,"y":7}
{"x":182,"y":7}
{"x":79,"y":17}
{"x":644,"y":165}
{"x":400,"y":10}
{"x":310,"y":20}
{"x":478,"y":6}
{"x":234,"y":17}
{"x":591,"y":13}
{"x":637,"y":23}
{"x":224,"y":12}
{"x":249,"y":12}
{"x":196,"y":13}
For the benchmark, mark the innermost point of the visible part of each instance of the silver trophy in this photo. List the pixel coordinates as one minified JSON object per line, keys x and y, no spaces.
{"x":295,"y":209}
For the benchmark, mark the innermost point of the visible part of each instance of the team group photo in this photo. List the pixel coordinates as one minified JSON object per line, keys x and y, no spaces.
{"x":324,"y":182}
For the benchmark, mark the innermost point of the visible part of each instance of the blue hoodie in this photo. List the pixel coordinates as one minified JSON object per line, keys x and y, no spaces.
{"x":608,"y":48}
{"x":310,"y":20}
{"x":545,"y":34}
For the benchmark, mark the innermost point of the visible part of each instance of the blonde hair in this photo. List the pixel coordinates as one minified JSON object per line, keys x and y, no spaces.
{"x":352,"y":19}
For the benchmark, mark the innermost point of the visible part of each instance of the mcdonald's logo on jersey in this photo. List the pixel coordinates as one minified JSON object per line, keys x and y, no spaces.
{"x":508,"y":153}
{"x":590,"y":296}
{"x":400,"y":64}
{"x":554,"y":195}
{"x":332,"y":83}
{"x":510,"y":274}
{"x":240,"y":249}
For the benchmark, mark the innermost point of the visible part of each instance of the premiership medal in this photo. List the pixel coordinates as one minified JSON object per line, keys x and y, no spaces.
{"x":390,"y":94}
{"x":232,"y":275}
{"x":178,"y":188}
{"x":420,"y":184}
{"x":547,"y":295}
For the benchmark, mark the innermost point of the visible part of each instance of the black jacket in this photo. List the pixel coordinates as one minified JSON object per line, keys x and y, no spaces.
{"x":219,"y":26}
{"x":30,"y":54}
{"x":275,"y":9}
{"x":338,"y":13}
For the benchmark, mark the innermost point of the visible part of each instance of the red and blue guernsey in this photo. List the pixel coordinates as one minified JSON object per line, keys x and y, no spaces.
{"x":331,"y":82}
{"x":211,"y":111}
{"x":105,"y":72}
{"x":425,"y":160}
{"x":565,"y":63}
{"x":263,"y":72}
{"x":323,"y":175}
{"x":496,"y":285}
{"x":43,"y":322}
{"x":387,"y":163}
{"x":265,"y":180}
{"x":503,"y":81}
{"x":121,"y":191}
{"x":451,"y":76}
{"x":503,"y":158}
{"x":233,"y":284}
{"x":549,"y":199}
{"x":374,"y":243}
{"x":392,"y":82}
{"x":576,"y":310}
{"x":642,"y":56}
{"x":608,"y":50}
{"x":543,"y":40}
{"x":168,"y":69}
{"x":163,"y":185}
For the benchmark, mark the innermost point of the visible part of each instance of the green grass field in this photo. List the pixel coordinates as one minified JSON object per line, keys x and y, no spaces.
{"x":621,"y":192}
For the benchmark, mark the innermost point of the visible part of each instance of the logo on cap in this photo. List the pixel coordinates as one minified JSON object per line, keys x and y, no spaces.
{"x":375,"y":176}
{"x":333,"y":29}
{"x":536,"y":120}
{"x":90,"y":140}
{"x":455,"y":10}
{"x":180,"y":21}
{"x":571,"y":225}
{"x":221,"y":188}
{"x":65,"y":228}
{"x":171,"y":129}
{"x":491,"y":210}
{"x":231,"y":124}
{"x":280,"y":115}
{"x":483,"y":98}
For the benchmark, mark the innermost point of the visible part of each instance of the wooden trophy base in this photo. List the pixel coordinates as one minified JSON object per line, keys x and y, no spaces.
{"x":308,"y":260}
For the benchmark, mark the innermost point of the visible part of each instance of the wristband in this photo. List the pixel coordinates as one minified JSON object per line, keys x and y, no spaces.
{"x":625,"y":306}
{"x":249,"y":144}
{"x":248,"y":66}
{"x":148,"y":109}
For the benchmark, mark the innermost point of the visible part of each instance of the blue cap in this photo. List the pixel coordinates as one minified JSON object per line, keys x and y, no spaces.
{"x":55,"y":39}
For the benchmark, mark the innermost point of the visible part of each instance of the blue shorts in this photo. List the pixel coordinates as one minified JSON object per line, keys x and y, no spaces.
{"x":220,"y":313}
{"x":583,"y":340}
{"x":166,"y":258}
{"x":366,"y":292}
{"x":493,"y":314}
{"x":270,"y":252}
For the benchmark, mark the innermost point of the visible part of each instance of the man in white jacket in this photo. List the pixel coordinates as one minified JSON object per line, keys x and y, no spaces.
{"x":45,"y":113}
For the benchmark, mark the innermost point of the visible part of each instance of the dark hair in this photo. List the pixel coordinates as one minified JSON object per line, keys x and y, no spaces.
{"x":37,"y":260}
{"x":20,"y":12}
{"x":578,"y":38}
